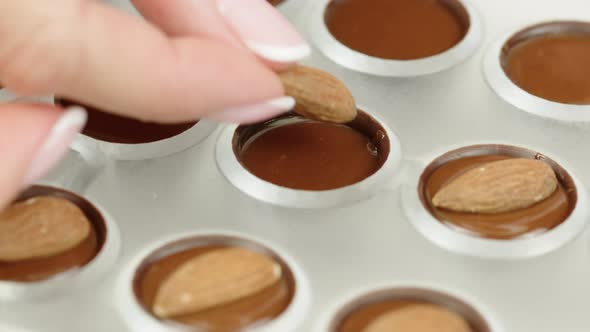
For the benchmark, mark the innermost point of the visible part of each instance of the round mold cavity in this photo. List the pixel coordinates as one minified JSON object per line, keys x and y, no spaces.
{"x":138,"y":318}
{"x":186,"y":137}
{"x":71,"y":280}
{"x":479,"y":317}
{"x":419,"y":213}
{"x":231,"y":167}
{"x":355,"y":60}
{"x":503,"y":86}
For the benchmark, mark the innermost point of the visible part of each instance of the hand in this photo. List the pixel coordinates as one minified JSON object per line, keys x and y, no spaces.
{"x":191,"y":59}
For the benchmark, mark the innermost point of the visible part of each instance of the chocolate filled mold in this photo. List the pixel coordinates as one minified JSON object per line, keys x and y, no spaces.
{"x":397,"y":26}
{"x":292,"y":161}
{"x":129,"y":139}
{"x":409,"y":308}
{"x":542,"y":69}
{"x":531,"y":230}
{"x":233,"y":283}
{"x":297,"y":153}
{"x":47,"y":265}
{"x":390,"y":38}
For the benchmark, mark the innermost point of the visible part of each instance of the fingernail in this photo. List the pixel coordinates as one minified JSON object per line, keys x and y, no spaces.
{"x":56,"y":144}
{"x":264,"y":30}
{"x":255,"y":113}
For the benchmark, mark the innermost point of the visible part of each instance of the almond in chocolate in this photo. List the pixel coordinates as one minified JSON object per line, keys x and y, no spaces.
{"x":223,"y":288}
{"x":404,"y":315}
{"x":499,"y":186}
{"x":213,"y":279}
{"x":419,"y":318}
{"x":538,"y":213}
{"x":46,"y":232}
{"x":41,"y":227}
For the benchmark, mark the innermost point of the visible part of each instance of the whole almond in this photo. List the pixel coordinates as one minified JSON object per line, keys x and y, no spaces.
{"x":319,"y":95}
{"x":41,"y":227}
{"x":499,"y":186}
{"x":214,"y":278}
{"x":419,"y":318}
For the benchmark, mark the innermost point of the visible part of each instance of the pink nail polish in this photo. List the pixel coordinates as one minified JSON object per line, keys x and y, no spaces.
{"x":254,"y":113}
{"x":56,"y":144}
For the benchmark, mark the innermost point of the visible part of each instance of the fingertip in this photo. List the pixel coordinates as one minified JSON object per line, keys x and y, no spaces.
{"x":264,"y":30}
{"x":56,"y":143}
{"x":255,"y":113}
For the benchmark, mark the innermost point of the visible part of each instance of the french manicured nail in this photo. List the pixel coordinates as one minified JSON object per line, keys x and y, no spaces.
{"x":254,"y":113}
{"x":264,"y":30}
{"x":56,"y":144}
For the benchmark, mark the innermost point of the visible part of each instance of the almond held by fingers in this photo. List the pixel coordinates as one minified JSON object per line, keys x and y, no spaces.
{"x":215,"y":278}
{"x":319,"y":95}
{"x":497,"y":187}
{"x":41,"y":227}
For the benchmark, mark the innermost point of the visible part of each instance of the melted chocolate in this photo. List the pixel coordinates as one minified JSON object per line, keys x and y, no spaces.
{"x":234,"y":316}
{"x":397,"y":29}
{"x":553,"y":67}
{"x":360,"y":318}
{"x":275,"y":2}
{"x":536,"y":219}
{"x":108,"y":127}
{"x":297,"y":153}
{"x":38,"y":269}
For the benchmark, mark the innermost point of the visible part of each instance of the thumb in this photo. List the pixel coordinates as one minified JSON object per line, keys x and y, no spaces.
{"x":33,"y":138}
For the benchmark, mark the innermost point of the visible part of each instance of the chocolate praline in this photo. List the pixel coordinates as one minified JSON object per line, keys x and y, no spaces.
{"x":39,"y":269}
{"x":537,"y":219}
{"x":294,"y":152}
{"x":109,"y":127}
{"x":259,"y":308}
{"x":551,"y":61}
{"x":398,"y":29}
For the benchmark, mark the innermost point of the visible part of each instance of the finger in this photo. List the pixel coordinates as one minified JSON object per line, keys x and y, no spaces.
{"x":32,"y":139}
{"x":188,"y":18}
{"x":255,"y":23}
{"x":95,"y":54}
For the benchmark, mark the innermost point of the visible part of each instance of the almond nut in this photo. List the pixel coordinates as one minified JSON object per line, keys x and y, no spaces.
{"x":497,"y":187}
{"x":319,"y":95}
{"x":214,"y":278}
{"x":419,"y":318}
{"x":41,"y":227}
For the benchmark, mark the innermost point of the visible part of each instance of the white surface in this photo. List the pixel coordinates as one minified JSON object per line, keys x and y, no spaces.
{"x":352,"y":247}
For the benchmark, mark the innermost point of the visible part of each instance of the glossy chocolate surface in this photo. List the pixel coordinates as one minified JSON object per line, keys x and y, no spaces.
{"x":397,"y":29}
{"x":113,"y":128}
{"x":298,"y":153}
{"x":554,"y":66}
{"x":536,"y":219}
{"x":362,"y":317}
{"x":235,"y":316}
{"x":39,"y":269}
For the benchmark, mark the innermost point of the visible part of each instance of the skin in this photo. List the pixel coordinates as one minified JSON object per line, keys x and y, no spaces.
{"x":176,"y":65}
